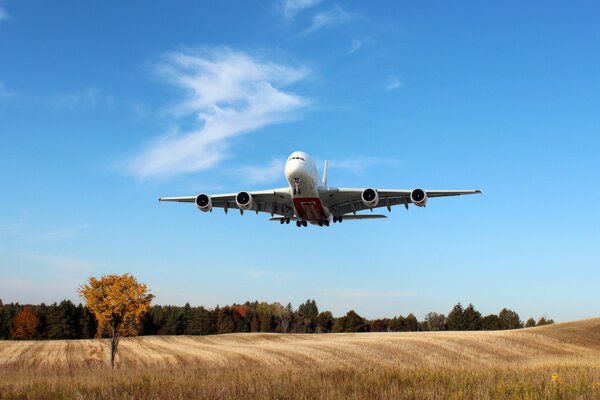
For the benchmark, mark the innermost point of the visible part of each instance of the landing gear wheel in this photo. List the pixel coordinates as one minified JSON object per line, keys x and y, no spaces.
{"x":281,"y":221}
{"x":287,"y":220}
{"x":304,"y":223}
{"x":320,"y":223}
{"x":298,"y":224}
{"x":340,"y":219}
{"x":326,"y":222}
{"x":335,"y":219}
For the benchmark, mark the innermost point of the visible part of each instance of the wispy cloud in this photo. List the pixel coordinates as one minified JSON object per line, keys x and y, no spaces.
{"x":359,"y":164}
{"x":393,"y":83}
{"x":3,"y":14}
{"x":87,"y":98}
{"x":335,"y":16}
{"x":262,"y":174}
{"x":4,"y":92}
{"x":356,"y":45}
{"x":289,"y":8}
{"x":229,"y":93}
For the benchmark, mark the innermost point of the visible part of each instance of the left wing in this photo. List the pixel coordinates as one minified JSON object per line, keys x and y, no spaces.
{"x":343,"y":201}
{"x":273,"y":201}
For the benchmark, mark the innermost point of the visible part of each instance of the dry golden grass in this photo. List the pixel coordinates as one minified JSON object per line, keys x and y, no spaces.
{"x":506,"y":364}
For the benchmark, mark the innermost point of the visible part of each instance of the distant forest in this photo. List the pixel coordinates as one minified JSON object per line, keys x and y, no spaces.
{"x":66,"y":320}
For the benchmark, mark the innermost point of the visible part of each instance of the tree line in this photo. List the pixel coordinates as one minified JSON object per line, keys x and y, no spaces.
{"x":65,"y":320}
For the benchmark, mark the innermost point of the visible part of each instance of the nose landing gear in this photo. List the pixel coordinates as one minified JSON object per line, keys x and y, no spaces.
{"x":297,"y":186}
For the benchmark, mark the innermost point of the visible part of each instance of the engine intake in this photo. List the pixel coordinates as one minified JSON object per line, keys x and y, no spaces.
{"x":370,"y":197}
{"x":418,"y":197}
{"x":243,"y":200}
{"x":204,"y":202}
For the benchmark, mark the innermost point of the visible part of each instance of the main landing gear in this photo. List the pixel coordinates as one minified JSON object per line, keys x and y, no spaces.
{"x":285,"y":220}
{"x":301,"y":223}
{"x":325,"y":222}
{"x":337,"y":219}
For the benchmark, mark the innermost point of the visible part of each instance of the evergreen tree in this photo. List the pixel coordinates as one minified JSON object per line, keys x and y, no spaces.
{"x":509,"y":319}
{"x":472,"y":318}
{"x":411,"y":323}
{"x":530,"y":323}
{"x":456,"y":318}
{"x":63,"y":321}
{"x":490,"y":323}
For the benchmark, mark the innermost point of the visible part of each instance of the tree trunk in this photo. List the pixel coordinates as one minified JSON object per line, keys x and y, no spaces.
{"x":114,"y":343}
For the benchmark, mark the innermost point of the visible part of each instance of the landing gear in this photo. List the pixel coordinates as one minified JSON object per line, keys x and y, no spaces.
{"x":297,"y":186}
{"x":287,"y":220}
{"x":298,"y":224}
{"x":337,"y":219}
{"x":304,"y":223}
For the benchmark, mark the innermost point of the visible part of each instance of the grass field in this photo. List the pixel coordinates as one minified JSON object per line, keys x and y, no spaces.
{"x":556,"y":361}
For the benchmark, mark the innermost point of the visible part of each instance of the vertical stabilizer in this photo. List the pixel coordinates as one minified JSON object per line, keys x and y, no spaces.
{"x":325,"y":174}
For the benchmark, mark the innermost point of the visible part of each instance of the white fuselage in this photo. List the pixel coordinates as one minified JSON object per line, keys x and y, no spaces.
{"x":303,"y":178}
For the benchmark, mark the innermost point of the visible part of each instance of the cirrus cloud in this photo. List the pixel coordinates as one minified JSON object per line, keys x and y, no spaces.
{"x":229,"y":94}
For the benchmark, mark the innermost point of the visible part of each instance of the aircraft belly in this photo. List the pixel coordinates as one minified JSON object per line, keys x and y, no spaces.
{"x":309,"y":208}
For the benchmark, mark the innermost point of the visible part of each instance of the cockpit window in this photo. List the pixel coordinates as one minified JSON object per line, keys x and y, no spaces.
{"x":296,"y":158}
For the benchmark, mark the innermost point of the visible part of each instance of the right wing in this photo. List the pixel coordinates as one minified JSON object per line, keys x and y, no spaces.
{"x":343,"y":201}
{"x":273,"y":201}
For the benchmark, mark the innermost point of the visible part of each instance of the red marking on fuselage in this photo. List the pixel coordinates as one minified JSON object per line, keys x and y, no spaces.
{"x":309,"y":208}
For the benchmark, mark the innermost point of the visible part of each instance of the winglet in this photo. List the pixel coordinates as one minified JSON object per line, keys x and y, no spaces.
{"x":325,"y":174}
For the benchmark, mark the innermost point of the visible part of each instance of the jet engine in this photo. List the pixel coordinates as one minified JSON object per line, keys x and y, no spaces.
{"x":370,"y":197}
{"x":243,"y":200}
{"x":418,"y":197}
{"x":204,"y":202}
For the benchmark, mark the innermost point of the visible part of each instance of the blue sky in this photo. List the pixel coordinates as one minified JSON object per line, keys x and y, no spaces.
{"x":106,"y":106}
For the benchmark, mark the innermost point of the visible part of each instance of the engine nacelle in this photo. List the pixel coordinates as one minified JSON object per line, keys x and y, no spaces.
{"x":370,"y":197}
{"x":243,"y":200}
{"x":418,"y":197}
{"x":204,"y":202}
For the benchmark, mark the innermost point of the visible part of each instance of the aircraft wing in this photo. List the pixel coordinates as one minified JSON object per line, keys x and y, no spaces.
{"x":273,"y":201}
{"x":343,"y":201}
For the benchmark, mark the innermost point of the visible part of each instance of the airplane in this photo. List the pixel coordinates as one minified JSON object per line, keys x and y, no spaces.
{"x":308,"y":198}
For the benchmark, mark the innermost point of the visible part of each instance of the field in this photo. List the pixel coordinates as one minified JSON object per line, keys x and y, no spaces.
{"x":556,"y":361}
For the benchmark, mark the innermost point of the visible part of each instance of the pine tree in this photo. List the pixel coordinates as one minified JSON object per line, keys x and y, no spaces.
{"x":456,"y":318}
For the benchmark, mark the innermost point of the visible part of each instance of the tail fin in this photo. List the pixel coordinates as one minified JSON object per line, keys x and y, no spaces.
{"x":325,"y":174}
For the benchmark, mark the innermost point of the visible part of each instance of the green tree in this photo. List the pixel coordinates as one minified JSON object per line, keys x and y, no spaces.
{"x":325,"y":322}
{"x":544,"y":321}
{"x":509,"y":319}
{"x":471,"y":318}
{"x":490,"y":323}
{"x":412,"y":324}
{"x":456,"y":318}
{"x":63,"y":321}
{"x":530,"y":323}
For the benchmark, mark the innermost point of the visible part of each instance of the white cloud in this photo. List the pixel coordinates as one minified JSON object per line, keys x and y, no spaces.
{"x":3,"y":14}
{"x":393,"y":83}
{"x":359,"y":164}
{"x":356,"y":45}
{"x":87,"y":98}
{"x":230,"y":93}
{"x":4,"y":92}
{"x":289,"y":8}
{"x":335,"y":16}
{"x":262,"y":174}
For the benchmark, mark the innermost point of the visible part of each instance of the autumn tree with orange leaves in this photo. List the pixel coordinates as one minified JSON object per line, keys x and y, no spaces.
{"x":119,"y":304}
{"x":25,"y":324}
